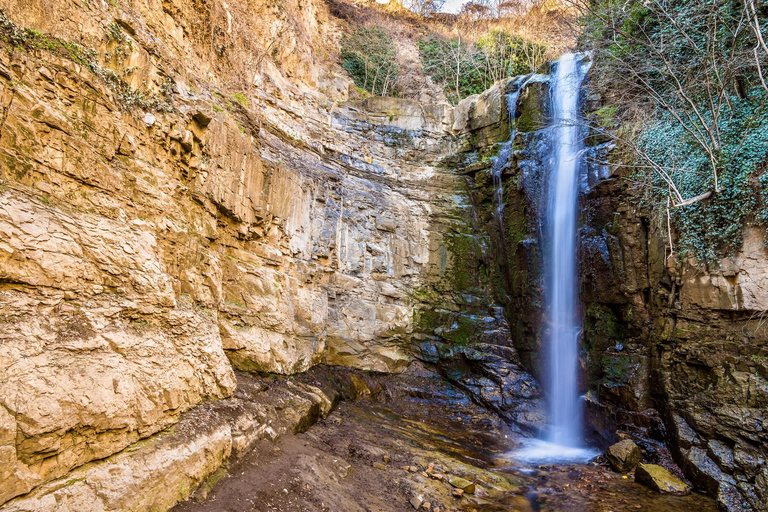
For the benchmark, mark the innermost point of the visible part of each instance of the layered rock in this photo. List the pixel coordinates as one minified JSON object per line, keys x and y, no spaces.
{"x":673,"y":352}
{"x":179,"y":199}
{"x":165,"y":468}
{"x":688,"y":344}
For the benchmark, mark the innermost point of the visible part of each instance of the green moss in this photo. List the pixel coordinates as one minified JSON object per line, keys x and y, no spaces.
{"x":531,"y":116}
{"x":602,"y":331}
{"x":465,"y":255}
{"x":617,"y":369}
{"x":465,"y":331}
{"x":241,"y":99}
{"x":605,"y":116}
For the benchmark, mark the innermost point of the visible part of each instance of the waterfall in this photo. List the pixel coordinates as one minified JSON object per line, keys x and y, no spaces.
{"x":562,"y":441}
{"x":560,"y":264}
{"x":503,"y":159}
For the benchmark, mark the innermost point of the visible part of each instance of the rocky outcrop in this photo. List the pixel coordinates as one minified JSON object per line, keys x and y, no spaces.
{"x":673,"y":352}
{"x":165,"y":468}
{"x":181,"y":196}
{"x":671,"y":335}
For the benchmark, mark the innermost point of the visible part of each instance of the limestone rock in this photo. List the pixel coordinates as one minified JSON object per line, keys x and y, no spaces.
{"x":660,"y":480}
{"x":462,"y":483}
{"x":624,"y":455}
{"x":168,"y":466}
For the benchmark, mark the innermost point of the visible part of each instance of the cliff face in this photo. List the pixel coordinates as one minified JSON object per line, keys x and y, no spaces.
{"x":183,"y":194}
{"x":694,"y":345}
{"x":672,"y":353}
{"x":186,"y":191}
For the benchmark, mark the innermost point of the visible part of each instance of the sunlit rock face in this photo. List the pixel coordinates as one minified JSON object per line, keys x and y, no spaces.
{"x":234,"y":215}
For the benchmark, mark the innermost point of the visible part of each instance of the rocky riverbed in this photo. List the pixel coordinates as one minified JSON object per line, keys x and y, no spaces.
{"x":400,"y":446}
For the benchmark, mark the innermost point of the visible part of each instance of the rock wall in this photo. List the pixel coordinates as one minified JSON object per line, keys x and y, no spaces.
{"x":673,"y":354}
{"x":185,"y":191}
{"x":672,"y":336}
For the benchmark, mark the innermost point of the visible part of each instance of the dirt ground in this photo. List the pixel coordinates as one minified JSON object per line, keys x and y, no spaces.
{"x":371,"y":455}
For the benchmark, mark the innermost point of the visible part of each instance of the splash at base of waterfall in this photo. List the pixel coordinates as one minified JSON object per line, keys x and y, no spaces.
{"x":536,"y":451}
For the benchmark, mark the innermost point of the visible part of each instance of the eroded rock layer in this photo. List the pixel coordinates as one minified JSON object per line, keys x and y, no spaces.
{"x":184,"y":192}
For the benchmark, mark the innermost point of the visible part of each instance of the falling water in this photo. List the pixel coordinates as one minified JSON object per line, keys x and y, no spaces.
{"x":563,"y":339}
{"x":503,"y":158}
{"x":562,"y":441}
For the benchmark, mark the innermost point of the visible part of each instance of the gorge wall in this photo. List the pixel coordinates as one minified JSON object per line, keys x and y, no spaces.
{"x":672,"y":351}
{"x":187,"y":192}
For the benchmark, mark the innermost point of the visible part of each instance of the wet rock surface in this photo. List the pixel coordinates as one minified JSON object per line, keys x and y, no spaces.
{"x":623,"y":456}
{"x":489,"y":370}
{"x":660,"y":480}
{"x":673,"y":353}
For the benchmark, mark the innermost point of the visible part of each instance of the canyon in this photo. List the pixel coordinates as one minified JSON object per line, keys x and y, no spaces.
{"x":197,"y":212}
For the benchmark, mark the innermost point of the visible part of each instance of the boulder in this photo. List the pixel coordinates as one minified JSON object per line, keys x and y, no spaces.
{"x":623,"y":456}
{"x":462,"y":483}
{"x":660,"y":480}
{"x":417,"y":501}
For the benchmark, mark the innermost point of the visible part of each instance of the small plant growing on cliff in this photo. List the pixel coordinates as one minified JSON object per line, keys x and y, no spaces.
{"x":369,"y":56}
{"x":241,"y":99}
{"x":695,"y":70}
{"x":463,"y":67}
{"x":26,"y":39}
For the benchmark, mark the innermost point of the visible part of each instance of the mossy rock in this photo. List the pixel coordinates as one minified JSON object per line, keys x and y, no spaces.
{"x":661,"y":480}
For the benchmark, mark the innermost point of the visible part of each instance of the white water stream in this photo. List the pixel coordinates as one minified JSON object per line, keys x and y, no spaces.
{"x":562,"y":442}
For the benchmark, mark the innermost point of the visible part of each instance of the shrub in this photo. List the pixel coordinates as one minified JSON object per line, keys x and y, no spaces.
{"x":463,"y":68}
{"x":369,"y":56}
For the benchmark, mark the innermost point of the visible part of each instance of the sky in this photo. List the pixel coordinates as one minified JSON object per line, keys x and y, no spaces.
{"x":452,"y":5}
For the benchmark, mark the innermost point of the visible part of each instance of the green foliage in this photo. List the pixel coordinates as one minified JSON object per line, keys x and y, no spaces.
{"x":464,"y":68}
{"x":453,"y":65}
{"x":241,"y":99}
{"x":506,"y":54}
{"x":601,"y":333}
{"x":712,"y":228}
{"x":685,"y":71}
{"x":115,"y":33}
{"x":370,"y":57}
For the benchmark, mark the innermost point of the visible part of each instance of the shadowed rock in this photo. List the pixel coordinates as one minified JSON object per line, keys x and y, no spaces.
{"x":623,"y":456}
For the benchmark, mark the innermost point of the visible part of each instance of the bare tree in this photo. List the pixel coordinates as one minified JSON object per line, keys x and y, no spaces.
{"x":690,"y":70}
{"x":761,"y":49}
{"x":424,"y":8}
